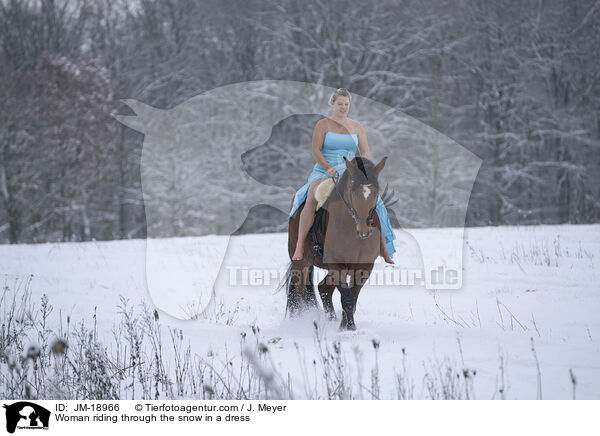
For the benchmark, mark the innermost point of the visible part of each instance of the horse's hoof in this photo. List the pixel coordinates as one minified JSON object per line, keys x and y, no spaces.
{"x":348,"y":327}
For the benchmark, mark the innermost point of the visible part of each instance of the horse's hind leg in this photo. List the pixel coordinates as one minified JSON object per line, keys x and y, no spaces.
{"x":310,"y":297}
{"x":326,"y":288}
{"x":298,"y":299}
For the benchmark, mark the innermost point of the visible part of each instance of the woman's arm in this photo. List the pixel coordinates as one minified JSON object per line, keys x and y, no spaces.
{"x":317,"y":145}
{"x":363,"y":144}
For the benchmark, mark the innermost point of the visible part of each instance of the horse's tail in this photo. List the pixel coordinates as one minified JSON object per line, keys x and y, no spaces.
{"x":285,"y":280}
{"x":288,"y":285}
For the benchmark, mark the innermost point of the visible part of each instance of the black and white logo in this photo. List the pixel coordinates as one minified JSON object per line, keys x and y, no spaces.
{"x":26,"y":415}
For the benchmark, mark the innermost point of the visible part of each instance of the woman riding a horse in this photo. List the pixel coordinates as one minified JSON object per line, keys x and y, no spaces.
{"x":331,"y":142}
{"x":334,"y":144}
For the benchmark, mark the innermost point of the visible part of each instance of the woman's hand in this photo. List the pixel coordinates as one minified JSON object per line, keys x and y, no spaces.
{"x":331,"y":171}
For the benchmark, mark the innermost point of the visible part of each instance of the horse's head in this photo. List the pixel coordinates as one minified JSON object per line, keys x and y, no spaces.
{"x":361,"y":192}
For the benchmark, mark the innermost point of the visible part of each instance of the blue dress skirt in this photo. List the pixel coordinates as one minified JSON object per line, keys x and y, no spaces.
{"x":335,"y":147}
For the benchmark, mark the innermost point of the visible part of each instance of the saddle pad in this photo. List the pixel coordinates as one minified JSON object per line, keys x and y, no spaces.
{"x":323,"y":191}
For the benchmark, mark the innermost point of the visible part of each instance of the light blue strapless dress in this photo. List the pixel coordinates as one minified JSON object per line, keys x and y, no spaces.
{"x":335,"y":147}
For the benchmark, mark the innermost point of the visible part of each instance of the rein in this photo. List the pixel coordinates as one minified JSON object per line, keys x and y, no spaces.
{"x":350,"y":207}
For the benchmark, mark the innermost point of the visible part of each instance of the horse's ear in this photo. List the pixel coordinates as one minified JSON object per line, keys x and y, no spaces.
{"x":380,"y":166}
{"x":350,"y":166}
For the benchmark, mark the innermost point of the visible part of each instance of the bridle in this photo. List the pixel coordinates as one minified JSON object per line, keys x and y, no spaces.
{"x":350,"y":207}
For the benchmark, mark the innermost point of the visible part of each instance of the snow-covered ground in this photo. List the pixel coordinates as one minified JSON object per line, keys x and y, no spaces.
{"x":527,"y":292}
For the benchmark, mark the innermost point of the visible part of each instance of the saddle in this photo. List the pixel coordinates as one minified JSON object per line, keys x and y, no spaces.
{"x":323,"y":192}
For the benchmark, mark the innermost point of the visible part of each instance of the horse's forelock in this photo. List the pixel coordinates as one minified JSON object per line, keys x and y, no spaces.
{"x":367,"y":168}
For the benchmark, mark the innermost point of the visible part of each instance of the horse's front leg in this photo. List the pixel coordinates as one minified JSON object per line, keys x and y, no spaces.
{"x":344,"y":284}
{"x":358,"y":278}
{"x":326,"y":288}
{"x":338,"y":278}
{"x":348,"y":307}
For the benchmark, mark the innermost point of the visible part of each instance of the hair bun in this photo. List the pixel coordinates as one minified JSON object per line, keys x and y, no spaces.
{"x":340,"y":92}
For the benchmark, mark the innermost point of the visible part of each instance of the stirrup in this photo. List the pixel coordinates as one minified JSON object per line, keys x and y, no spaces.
{"x":318,"y":251}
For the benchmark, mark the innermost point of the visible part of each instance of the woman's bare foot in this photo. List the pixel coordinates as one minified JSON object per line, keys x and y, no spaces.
{"x":387,"y":258}
{"x":298,"y":253}
{"x":384,"y":252}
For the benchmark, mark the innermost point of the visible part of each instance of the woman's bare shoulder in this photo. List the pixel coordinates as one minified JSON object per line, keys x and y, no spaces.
{"x":357,"y":127}
{"x":321,"y":125}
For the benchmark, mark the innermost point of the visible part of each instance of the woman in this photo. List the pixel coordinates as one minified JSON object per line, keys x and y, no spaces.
{"x":334,"y":138}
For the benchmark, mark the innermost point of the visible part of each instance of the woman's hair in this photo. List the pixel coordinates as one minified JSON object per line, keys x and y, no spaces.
{"x":340,"y":92}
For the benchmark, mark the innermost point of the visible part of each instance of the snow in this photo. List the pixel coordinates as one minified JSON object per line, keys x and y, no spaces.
{"x":522,"y":285}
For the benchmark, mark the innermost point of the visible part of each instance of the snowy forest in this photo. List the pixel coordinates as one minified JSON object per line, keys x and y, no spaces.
{"x":516,"y":83}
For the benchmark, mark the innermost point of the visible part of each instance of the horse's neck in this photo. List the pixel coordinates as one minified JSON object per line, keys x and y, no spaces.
{"x":337,"y":209}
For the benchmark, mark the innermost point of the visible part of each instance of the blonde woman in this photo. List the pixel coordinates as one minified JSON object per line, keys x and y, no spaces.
{"x":333,"y":139}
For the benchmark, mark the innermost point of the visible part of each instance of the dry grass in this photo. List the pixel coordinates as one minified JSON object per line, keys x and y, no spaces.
{"x":148,"y":360}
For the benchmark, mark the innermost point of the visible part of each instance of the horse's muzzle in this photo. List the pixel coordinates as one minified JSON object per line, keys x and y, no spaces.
{"x":362,"y":235}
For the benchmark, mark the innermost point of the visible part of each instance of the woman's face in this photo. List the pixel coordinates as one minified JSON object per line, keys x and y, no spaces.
{"x":341,"y":106}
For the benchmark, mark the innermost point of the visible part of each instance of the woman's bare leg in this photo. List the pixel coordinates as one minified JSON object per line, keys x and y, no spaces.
{"x":307,"y":216}
{"x":383,"y":252}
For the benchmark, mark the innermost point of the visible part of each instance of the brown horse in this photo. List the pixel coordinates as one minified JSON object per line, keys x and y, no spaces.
{"x":349,"y":231}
